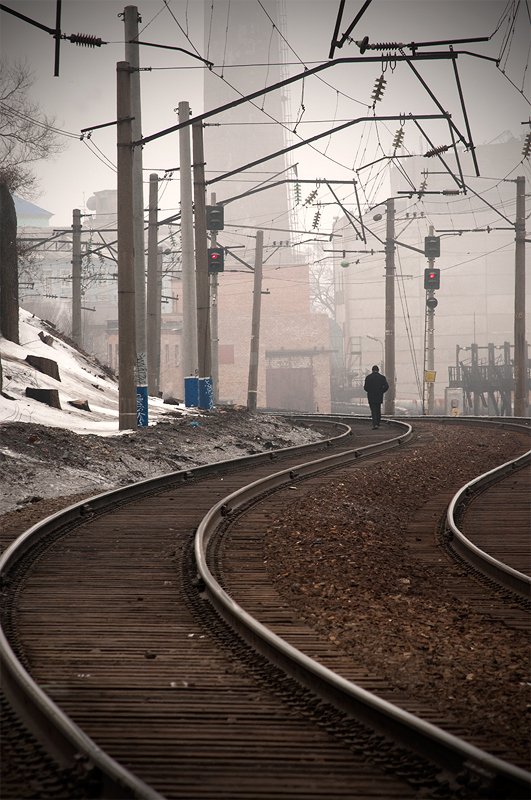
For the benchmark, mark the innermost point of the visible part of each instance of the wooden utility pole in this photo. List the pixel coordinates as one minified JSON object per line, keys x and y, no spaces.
{"x":389,"y":397}
{"x":252,"y":387}
{"x":131,"y":19}
{"x":77,"y":335}
{"x":189,"y":346}
{"x":126,"y":275}
{"x":520,"y":345}
{"x":204,"y":357}
{"x":153,"y":290}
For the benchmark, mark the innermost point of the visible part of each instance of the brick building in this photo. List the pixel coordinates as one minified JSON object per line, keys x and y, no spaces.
{"x":294,"y":351}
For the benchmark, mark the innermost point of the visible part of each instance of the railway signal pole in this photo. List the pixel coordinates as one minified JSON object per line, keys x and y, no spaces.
{"x":214,"y":322}
{"x":252,"y":387}
{"x":389,"y":400}
{"x":429,"y":350}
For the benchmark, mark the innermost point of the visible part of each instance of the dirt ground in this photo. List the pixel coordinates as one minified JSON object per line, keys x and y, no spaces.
{"x":43,"y":469}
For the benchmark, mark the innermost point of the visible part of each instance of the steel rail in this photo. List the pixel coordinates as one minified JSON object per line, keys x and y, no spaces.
{"x":424,"y":737}
{"x":502,"y":573}
{"x":59,"y":734}
{"x":507,"y":423}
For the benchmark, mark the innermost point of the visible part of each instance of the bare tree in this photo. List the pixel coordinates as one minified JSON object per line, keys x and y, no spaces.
{"x":322,"y":287}
{"x":27,"y":133}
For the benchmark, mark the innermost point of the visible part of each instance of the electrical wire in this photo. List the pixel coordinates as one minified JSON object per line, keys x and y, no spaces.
{"x":166,"y":3}
{"x":226,"y":39}
{"x":300,"y":59}
{"x":153,"y":18}
{"x":39,"y":123}
{"x":106,"y":162}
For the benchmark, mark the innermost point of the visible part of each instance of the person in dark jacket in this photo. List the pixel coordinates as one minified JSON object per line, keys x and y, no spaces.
{"x":375,"y":385}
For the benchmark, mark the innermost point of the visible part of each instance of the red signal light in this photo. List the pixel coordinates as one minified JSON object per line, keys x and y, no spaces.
{"x":215,"y":259}
{"x":432,"y":279}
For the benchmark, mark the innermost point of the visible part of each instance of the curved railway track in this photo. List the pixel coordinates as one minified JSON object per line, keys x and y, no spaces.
{"x":109,"y":617}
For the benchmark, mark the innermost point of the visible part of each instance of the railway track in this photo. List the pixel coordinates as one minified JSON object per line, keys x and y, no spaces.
{"x":112,"y":622}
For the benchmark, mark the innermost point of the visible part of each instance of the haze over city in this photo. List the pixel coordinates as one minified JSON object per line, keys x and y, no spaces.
{"x":84,"y":93}
{"x":425,"y":103}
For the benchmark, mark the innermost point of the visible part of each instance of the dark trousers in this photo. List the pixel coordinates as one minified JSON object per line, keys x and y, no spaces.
{"x":376,"y":413}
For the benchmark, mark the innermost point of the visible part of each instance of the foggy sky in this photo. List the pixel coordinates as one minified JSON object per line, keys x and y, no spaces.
{"x":84,"y":94}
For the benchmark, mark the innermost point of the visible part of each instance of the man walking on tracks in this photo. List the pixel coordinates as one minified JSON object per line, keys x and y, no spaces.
{"x":375,"y":385}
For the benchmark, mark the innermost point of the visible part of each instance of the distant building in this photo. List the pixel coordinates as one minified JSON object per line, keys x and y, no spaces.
{"x":29,"y":215}
{"x":474,"y":318}
{"x":295,"y":355}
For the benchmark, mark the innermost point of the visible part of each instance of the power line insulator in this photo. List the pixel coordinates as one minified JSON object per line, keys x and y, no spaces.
{"x":378,"y":90}
{"x":436,"y":151}
{"x":85,"y":40}
{"x":399,"y":138}
{"x":386,"y":46}
{"x":526,"y":152}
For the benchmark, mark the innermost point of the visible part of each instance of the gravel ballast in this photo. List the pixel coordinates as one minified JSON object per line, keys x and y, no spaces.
{"x":340,"y":557}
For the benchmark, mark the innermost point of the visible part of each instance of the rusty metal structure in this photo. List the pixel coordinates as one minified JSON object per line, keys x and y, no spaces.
{"x":487,"y":383}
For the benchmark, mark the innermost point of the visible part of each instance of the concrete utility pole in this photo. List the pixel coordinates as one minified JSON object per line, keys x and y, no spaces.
{"x":153,"y":290}
{"x":214,"y":287}
{"x":131,"y":19}
{"x":252,"y":388}
{"x":126,"y":277}
{"x":189,"y":346}
{"x":389,"y":397}
{"x":204,"y":350}
{"x":77,"y":335}
{"x":520,"y":347}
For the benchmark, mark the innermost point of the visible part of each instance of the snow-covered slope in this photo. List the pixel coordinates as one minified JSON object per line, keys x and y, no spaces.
{"x":80,"y":379}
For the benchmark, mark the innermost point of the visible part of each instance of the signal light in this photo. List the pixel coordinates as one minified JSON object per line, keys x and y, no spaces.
{"x":432,"y":279}
{"x":216,"y":257}
{"x":215,"y":218}
{"x":432,"y":246}
{"x":432,"y":303}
